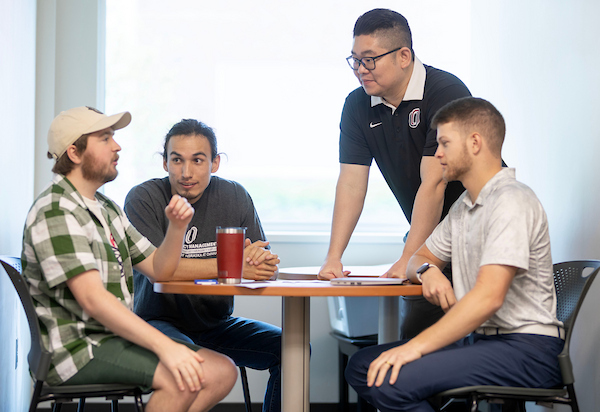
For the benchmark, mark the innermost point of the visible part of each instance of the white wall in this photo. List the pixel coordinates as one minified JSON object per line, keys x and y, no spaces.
{"x":537,"y":62}
{"x":17,"y":83}
{"x":56,"y":54}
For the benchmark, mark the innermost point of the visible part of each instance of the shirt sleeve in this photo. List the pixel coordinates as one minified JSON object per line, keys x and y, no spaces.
{"x":251,"y":221}
{"x":353,"y":145}
{"x":141,"y":210}
{"x":440,"y":241}
{"x":507,"y":233}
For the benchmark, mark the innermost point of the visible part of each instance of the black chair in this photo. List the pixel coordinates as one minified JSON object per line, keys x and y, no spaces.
{"x":244,"y":378}
{"x":572,"y":281}
{"x":347,"y":347}
{"x":39,"y":359}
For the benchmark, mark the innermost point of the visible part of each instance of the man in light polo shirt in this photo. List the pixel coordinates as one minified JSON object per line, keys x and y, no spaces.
{"x":388,"y":119}
{"x":79,"y":251}
{"x":496,"y":236}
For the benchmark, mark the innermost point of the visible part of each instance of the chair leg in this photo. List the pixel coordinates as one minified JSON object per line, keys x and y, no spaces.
{"x":35,"y":398}
{"x":56,"y":407}
{"x":139,"y":405}
{"x":81,"y":405}
{"x":474,"y":403}
{"x":574,"y":405}
{"x":343,"y":386}
{"x":246,"y":389}
{"x":114,"y":405}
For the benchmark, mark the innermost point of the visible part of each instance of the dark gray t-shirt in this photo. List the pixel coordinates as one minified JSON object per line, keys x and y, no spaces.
{"x":224,"y":203}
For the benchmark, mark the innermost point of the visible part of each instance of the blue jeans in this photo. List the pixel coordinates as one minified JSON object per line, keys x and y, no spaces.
{"x":515,"y":359}
{"x":247,"y":342}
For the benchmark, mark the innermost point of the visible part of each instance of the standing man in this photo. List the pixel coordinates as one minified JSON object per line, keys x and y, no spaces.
{"x":389,"y":119}
{"x":79,"y":251}
{"x":500,"y":326}
{"x":190,"y":158}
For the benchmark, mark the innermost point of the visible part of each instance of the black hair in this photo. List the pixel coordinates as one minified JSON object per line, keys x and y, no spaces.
{"x":387,"y":24}
{"x":192,"y":127}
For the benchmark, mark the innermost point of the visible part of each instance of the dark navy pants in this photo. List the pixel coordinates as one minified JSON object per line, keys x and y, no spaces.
{"x":505,"y":360}
{"x":247,"y":342}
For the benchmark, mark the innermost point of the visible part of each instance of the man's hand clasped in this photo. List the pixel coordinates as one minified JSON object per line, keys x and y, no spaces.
{"x":259,"y":262}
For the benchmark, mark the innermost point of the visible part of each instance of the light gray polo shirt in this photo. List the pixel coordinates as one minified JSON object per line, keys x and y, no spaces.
{"x":506,"y":225}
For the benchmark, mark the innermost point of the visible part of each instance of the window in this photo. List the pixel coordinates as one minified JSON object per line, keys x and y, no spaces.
{"x":271,"y":78}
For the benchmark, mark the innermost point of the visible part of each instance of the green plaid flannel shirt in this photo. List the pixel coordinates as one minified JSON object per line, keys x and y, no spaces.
{"x":63,"y":239}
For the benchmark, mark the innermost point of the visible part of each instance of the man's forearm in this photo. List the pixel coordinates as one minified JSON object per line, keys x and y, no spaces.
{"x":350,"y":195}
{"x":427,"y":211}
{"x":344,"y":222}
{"x":477,"y":306}
{"x":190,"y":269}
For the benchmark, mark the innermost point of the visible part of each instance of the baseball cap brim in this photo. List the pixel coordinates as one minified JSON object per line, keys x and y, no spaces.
{"x":116,"y":121}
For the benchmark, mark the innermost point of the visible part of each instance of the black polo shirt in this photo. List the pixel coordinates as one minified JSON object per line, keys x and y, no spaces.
{"x":397,"y":140}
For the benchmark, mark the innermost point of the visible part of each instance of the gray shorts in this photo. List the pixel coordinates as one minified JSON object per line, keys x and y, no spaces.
{"x":117,"y":360}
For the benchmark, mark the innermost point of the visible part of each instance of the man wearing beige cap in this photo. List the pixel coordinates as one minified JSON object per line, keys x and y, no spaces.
{"x":79,"y":251}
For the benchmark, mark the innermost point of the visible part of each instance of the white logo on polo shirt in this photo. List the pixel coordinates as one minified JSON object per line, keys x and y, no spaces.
{"x":372,"y":125}
{"x":191,"y":235}
{"x":414,"y":118}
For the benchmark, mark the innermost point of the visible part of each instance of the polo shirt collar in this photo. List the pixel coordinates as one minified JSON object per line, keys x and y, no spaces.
{"x":415,"y":89}
{"x":503,"y":176}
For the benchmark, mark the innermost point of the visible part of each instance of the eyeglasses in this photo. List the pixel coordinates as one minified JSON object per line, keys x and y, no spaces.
{"x":367,"y":62}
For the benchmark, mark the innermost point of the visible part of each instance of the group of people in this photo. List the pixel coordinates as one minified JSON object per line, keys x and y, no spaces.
{"x":489,"y":320}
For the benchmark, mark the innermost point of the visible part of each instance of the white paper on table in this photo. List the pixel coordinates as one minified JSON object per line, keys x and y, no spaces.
{"x":254,"y":284}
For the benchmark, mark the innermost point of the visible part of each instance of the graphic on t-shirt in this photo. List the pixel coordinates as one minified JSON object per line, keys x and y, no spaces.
{"x":115,"y":249}
{"x":414,"y":118}
{"x":197,"y":250}
{"x":191,"y":234}
{"x":201,"y":250}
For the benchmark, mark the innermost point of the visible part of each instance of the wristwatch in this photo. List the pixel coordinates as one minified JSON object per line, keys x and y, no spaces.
{"x":424,"y":268}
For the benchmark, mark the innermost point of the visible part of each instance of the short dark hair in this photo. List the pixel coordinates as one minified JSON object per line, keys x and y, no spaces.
{"x":387,"y":24}
{"x":64,"y":164}
{"x":474,"y":114}
{"x":192,"y":127}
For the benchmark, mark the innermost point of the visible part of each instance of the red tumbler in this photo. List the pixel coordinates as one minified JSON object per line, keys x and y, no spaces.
{"x":230,"y":253}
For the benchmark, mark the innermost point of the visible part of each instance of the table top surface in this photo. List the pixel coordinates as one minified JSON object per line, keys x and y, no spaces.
{"x":286,"y":288}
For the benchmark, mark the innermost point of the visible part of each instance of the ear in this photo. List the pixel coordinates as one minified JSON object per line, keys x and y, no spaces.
{"x":73,"y":155}
{"x":475,"y":143}
{"x":405,"y":56}
{"x":215,"y":164}
{"x":165,"y":166}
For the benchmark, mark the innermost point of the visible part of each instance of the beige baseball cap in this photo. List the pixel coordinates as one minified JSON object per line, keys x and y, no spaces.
{"x":71,"y":124}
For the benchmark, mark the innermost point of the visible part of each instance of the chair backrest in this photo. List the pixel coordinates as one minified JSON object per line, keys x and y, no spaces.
{"x":571,"y":285}
{"x":39,"y":358}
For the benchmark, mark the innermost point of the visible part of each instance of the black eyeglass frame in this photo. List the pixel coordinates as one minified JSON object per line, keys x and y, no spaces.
{"x":352,"y":59}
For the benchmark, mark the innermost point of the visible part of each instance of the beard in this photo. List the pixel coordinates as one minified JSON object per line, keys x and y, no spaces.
{"x":458,"y":168}
{"x":92,"y":170}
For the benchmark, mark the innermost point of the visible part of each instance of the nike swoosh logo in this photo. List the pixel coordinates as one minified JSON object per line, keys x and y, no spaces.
{"x":372,"y":125}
